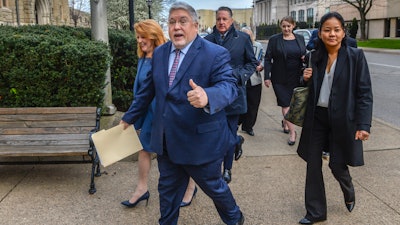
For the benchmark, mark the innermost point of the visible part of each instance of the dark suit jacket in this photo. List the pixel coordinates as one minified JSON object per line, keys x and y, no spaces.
{"x":243,"y":62}
{"x":190,"y":135}
{"x":351,"y":42}
{"x":276,"y":57}
{"x":314,"y":38}
{"x":350,"y":105}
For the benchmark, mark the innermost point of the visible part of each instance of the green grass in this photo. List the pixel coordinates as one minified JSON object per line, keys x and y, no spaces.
{"x":380,"y":43}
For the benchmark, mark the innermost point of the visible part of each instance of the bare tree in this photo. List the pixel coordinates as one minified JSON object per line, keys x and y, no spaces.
{"x":76,"y":7}
{"x":363,"y":7}
{"x":118,"y":11}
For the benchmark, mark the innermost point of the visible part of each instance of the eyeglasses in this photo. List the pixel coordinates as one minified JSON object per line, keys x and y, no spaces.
{"x":182,"y":22}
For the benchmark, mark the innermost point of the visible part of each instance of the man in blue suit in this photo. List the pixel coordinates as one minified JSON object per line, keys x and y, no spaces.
{"x":192,"y":83}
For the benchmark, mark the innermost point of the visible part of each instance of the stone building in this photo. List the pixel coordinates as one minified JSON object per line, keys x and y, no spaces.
{"x":383,"y":20}
{"x":30,"y":12}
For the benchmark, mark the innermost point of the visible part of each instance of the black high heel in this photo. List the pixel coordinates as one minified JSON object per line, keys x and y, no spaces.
{"x":145,"y":196}
{"x":184,"y":204}
{"x":292,"y":142}
{"x":286,"y":131}
{"x":350,"y":205}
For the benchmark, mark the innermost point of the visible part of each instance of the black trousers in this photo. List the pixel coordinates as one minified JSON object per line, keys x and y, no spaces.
{"x":315,"y":198}
{"x":248,"y":120}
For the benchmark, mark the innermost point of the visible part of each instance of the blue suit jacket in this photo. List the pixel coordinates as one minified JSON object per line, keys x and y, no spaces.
{"x":192,"y":136}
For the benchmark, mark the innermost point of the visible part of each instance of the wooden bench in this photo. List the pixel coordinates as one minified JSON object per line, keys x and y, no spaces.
{"x":50,"y":133}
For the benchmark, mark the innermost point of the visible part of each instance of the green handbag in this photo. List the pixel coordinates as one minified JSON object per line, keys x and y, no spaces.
{"x":298,"y":105}
{"x":298,"y":102}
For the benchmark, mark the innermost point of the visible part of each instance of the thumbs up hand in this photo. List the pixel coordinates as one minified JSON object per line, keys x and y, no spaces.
{"x":197,"y":96}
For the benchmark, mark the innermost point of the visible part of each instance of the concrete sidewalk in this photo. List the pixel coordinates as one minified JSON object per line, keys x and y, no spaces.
{"x":268,"y":184}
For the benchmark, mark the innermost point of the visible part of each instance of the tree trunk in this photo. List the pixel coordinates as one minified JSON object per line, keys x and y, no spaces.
{"x":362,"y":26}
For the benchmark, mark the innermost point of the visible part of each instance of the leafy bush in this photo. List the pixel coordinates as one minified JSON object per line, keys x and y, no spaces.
{"x":61,"y":66}
{"x":123,"y":68}
{"x":353,"y":28}
{"x":43,"y":66}
{"x":265,"y":31}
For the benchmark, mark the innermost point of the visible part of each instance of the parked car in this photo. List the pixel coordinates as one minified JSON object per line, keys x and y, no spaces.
{"x":203,"y":34}
{"x":306,"y":34}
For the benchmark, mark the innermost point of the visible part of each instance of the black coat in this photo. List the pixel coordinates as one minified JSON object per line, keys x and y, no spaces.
{"x":243,"y":62}
{"x":349,"y":109}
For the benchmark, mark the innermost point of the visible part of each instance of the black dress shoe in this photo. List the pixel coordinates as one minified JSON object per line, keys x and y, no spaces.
{"x":305,"y":221}
{"x":241,"y":220}
{"x":238,"y":149}
{"x":350,"y":205}
{"x":249,"y":132}
{"x":227,"y":176}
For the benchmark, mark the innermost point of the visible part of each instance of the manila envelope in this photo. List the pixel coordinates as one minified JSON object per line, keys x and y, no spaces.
{"x":115,"y":144}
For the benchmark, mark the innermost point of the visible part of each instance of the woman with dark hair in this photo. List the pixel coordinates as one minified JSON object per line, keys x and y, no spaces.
{"x":282,"y":67}
{"x":338,"y":116}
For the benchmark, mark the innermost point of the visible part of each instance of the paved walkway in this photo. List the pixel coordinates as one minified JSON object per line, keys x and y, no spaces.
{"x":268,"y":184}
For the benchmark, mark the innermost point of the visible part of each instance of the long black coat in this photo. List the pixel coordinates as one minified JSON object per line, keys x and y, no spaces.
{"x":243,"y":62}
{"x":350,"y":106}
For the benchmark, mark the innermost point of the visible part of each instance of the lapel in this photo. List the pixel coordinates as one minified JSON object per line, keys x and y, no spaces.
{"x":187,"y":61}
{"x":228,"y":42}
{"x":320,"y":75}
{"x":340,"y":64}
{"x":282,"y":46}
{"x":164,"y":63}
{"x":300,"y":44}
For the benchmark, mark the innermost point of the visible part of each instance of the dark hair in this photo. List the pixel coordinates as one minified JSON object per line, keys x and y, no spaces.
{"x":321,"y":47}
{"x":330,"y":15}
{"x":225,"y":8}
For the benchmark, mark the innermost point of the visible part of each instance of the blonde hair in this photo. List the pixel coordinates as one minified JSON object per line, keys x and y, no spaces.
{"x":249,"y":32}
{"x":152,"y":30}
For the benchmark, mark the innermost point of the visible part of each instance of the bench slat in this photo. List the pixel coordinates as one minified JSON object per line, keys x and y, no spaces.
{"x":46,"y":117}
{"x":47,"y":110}
{"x":44,"y":137}
{"x":62,"y":150}
{"x":29,"y":124}
{"x":45,"y":130}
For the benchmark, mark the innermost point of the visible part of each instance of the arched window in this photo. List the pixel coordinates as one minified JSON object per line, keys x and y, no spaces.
{"x":4,"y":3}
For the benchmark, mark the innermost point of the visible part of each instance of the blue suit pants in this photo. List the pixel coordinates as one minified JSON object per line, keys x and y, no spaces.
{"x":172,"y":185}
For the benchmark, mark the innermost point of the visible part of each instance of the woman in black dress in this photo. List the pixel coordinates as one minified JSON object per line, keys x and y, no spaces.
{"x":283,"y":63}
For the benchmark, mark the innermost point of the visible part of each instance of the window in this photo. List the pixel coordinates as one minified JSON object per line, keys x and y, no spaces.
{"x":327,"y":9}
{"x":4,"y":3}
{"x":293,"y":15}
{"x":310,"y":16}
{"x":301,"y":16}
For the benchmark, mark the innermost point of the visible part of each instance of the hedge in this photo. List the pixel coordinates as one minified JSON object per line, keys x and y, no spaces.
{"x":61,"y":66}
